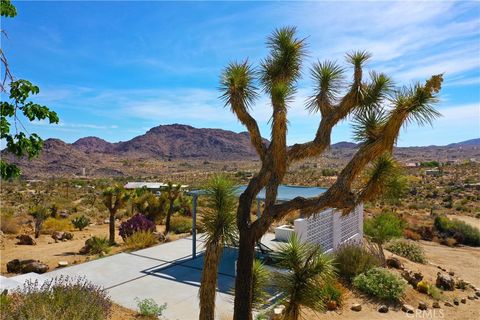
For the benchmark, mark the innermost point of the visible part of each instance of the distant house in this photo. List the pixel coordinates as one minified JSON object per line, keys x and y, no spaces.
{"x":152,"y":186}
{"x":411,"y":164}
{"x":433,"y":172}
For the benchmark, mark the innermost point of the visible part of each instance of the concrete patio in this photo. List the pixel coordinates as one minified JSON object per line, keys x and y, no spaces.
{"x":165,"y":273}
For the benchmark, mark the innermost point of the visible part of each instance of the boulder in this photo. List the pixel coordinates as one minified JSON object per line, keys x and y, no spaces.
{"x":383,"y":309}
{"x":445,"y":282}
{"x":332,"y":305}
{"x":62,"y":264}
{"x":408,"y":308}
{"x":471,"y":297}
{"x":62,"y":236}
{"x":26,"y":266}
{"x":477,"y":293}
{"x":448,"y":304}
{"x":394,"y":262}
{"x":422,"y":306}
{"x":25,"y":239}
{"x":356,"y":307}
{"x":64,"y":215}
{"x":456,"y":302}
{"x":412,"y":278}
{"x":463,"y":300}
{"x":426,"y":233}
{"x":436,"y":305}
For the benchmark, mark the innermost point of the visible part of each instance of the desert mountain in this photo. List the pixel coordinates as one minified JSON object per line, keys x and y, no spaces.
{"x":152,"y":152}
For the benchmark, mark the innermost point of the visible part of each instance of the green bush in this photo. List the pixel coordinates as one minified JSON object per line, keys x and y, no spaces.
{"x":407,"y":249}
{"x":332,"y":291}
{"x":180,"y":224}
{"x":80,"y":222}
{"x":383,"y":227}
{"x":98,"y":245}
{"x":352,"y":260}
{"x":140,"y":240}
{"x":149,"y":308}
{"x":461,"y":231}
{"x":61,"y":298}
{"x":381,"y":283}
{"x":51,"y":225}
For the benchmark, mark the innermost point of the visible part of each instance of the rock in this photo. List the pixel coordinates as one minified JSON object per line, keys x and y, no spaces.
{"x":278,"y":312}
{"x":394,"y":263}
{"x":463,"y":300}
{"x":422,"y":306}
{"x":25,"y":239}
{"x":356,"y":307}
{"x":26,"y":266}
{"x":383,"y":309}
{"x":412,"y":278}
{"x":62,"y":264}
{"x":408,"y":308}
{"x":106,"y":221}
{"x":448,"y":304}
{"x":477,"y":293}
{"x":445,"y":282}
{"x":456,"y":302}
{"x":471,"y":297}
{"x":332,"y":305}
{"x":426,"y":233}
{"x":57,"y":235}
{"x":64,"y":215}
{"x":84,"y":250}
{"x":436,"y":305}
{"x":62,"y":236}
{"x":451,"y":273}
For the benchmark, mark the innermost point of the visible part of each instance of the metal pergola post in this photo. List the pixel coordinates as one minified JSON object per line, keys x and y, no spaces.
{"x":194,"y":226}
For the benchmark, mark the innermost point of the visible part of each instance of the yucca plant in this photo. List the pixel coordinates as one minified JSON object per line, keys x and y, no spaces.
{"x":218,"y":223}
{"x":309,"y":271}
{"x":114,"y":198}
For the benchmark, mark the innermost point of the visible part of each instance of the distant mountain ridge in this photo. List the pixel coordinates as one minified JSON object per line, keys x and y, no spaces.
{"x":183,"y":142}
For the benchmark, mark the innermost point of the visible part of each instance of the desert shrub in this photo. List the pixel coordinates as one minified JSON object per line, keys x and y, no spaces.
{"x":140,"y":240}
{"x":461,"y":231}
{"x":381,"y":283}
{"x":98,"y":245}
{"x":412,"y":235}
{"x":352,"y":259}
{"x":60,"y":298}
{"x":149,"y":308}
{"x":81,"y":222}
{"x":8,"y":224}
{"x":53,"y":224}
{"x":407,"y":249}
{"x":39,"y":215}
{"x":333,"y":291}
{"x":135,"y":224}
{"x":180,"y":224}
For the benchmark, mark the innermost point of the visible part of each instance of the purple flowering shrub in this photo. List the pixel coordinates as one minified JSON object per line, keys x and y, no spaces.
{"x":136,"y":223}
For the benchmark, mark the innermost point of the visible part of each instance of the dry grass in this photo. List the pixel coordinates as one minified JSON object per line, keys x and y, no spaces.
{"x":52,"y":224}
{"x":140,"y":240}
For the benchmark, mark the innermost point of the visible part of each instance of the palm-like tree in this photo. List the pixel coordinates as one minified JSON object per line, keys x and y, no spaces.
{"x":309,"y":269}
{"x":114,"y":198}
{"x":218,"y":221}
{"x":172,"y":192}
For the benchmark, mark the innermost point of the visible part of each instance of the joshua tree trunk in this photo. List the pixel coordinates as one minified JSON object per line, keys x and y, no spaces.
{"x":112,"y":227}
{"x":169,"y":216}
{"x":38,"y":227}
{"x":244,"y":277}
{"x":208,"y":286}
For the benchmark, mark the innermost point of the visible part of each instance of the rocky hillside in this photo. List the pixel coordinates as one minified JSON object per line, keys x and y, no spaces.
{"x":160,"y":147}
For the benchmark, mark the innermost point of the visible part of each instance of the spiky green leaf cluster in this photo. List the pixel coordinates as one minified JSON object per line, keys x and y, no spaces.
{"x":328,"y":78}
{"x":237,"y":85}
{"x":309,"y":270}
{"x":219,"y":218}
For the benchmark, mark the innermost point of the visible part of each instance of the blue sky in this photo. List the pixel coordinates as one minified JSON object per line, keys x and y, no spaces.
{"x":116,"y":69}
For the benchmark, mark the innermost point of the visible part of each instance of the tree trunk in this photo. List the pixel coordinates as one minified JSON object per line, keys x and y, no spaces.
{"x":169,"y":215}
{"x":243,"y":280}
{"x":38,"y":227}
{"x":208,"y":287}
{"x":112,"y":228}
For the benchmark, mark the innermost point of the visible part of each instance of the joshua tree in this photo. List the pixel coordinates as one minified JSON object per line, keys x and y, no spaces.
{"x":150,"y":206}
{"x":382,"y":228}
{"x":310,"y":270}
{"x":113,"y":198}
{"x":218,"y":221}
{"x":378,"y":110}
{"x":39,"y":215}
{"x":172,"y":192}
